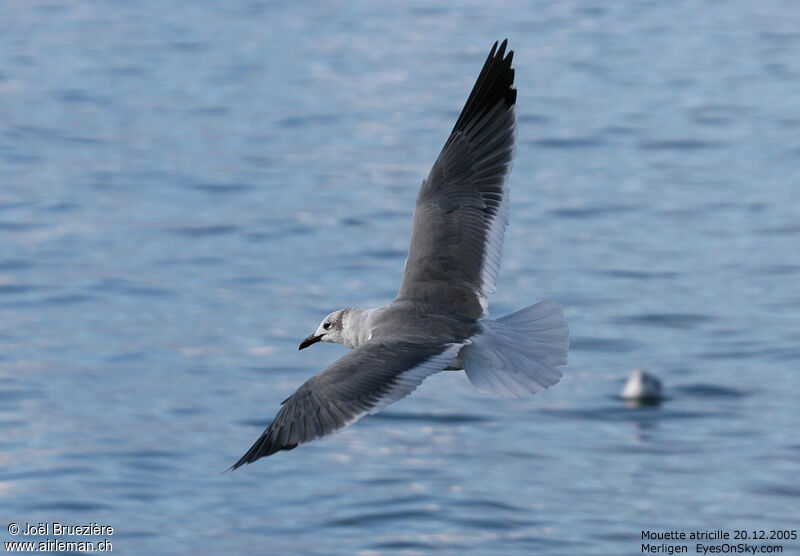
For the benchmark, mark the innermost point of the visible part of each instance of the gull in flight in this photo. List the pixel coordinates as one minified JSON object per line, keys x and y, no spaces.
{"x":438,"y":320}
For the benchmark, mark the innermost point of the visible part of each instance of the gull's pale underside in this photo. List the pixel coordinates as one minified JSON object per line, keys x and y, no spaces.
{"x":438,"y":320}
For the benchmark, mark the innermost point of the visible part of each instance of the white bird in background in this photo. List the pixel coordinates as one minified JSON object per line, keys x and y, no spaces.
{"x":641,"y":386}
{"x":438,"y":320}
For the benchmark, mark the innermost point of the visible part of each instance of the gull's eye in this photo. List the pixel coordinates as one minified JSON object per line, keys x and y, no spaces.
{"x":326,"y":325}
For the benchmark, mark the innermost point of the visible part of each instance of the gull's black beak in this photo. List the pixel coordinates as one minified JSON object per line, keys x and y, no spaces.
{"x":310,"y":340}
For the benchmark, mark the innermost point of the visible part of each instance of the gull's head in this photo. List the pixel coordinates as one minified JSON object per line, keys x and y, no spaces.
{"x":331,"y":329}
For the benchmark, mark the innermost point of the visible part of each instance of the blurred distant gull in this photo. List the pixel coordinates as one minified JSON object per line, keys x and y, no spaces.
{"x":642,"y":386}
{"x":438,"y":321}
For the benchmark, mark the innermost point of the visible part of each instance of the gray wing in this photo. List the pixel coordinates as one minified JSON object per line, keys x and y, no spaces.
{"x":462,"y":207}
{"x":365,"y":380}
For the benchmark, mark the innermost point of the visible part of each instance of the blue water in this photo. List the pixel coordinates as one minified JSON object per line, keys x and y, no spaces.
{"x":187,"y":189}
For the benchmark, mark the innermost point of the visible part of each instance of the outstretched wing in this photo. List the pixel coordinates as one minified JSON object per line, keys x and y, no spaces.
{"x":365,"y":380}
{"x":462,"y":207}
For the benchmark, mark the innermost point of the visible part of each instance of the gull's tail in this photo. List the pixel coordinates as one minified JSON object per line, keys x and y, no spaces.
{"x":519,"y":353}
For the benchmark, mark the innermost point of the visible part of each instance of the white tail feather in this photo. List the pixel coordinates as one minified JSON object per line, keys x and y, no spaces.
{"x":519,"y":353}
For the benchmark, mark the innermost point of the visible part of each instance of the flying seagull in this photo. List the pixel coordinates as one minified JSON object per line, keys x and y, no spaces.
{"x":438,"y":320}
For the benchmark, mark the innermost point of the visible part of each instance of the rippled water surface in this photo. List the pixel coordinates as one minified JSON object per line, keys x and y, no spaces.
{"x":186,"y":189}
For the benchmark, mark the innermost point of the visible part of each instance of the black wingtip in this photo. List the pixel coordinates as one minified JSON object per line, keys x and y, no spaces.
{"x":495,"y":84}
{"x":242,"y":461}
{"x":259,"y":449}
{"x":266,"y":445}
